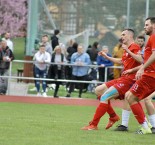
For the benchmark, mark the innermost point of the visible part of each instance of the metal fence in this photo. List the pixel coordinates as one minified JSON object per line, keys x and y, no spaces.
{"x":10,"y":77}
{"x":104,"y":19}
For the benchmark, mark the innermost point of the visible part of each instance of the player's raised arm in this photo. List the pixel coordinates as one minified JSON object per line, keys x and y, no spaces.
{"x":115,"y":60}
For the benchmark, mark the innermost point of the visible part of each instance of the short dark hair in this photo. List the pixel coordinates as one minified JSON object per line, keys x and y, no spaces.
{"x":152,"y":19}
{"x":56,"y":31}
{"x":141,"y":37}
{"x":129,"y":29}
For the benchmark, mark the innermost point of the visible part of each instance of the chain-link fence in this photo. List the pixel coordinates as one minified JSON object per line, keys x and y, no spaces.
{"x":105,"y":19}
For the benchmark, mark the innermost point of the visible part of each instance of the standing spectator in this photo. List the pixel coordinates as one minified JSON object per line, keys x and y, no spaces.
{"x":70,"y":50}
{"x":103,"y":62}
{"x":79,"y":71}
{"x":63,"y":49}
{"x":56,"y":71}
{"x":45,"y":41}
{"x":117,"y":53}
{"x":9,"y":42}
{"x":41,"y":59}
{"x":6,"y":56}
{"x":55,"y":39}
{"x":48,"y":48}
{"x":93,"y":52}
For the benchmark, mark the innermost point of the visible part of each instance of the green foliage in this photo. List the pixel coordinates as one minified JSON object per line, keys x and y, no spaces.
{"x":34,"y":124}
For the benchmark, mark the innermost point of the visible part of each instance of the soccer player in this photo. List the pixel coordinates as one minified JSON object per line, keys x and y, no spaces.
{"x":118,"y":87}
{"x":148,"y":101}
{"x":145,"y":77}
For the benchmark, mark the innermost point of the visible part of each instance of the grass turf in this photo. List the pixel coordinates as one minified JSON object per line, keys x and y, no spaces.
{"x":39,"y":124}
{"x":62,"y":92}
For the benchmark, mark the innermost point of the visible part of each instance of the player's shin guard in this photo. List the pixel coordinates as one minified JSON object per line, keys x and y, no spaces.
{"x":138,"y":112}
{"x":100,"y":111}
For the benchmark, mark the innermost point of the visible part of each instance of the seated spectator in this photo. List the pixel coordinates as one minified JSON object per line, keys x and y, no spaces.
{"x":41,"y":58}
{"x":79,"y":71}
{"x":103,"y":62}
{"x":56,"y":71}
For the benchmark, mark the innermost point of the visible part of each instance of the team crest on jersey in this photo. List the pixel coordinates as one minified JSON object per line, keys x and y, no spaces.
{"x":135,"y":87}
{"x":120,"y":85}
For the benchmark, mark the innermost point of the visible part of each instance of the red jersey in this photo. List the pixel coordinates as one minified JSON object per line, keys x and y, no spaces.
{"x":128,"y":61}
{"x":150,"y":46}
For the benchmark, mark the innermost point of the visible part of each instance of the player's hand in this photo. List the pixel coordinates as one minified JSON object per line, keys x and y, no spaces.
{"x":102,"y":53}
{"x":139,"y":73}
{"x":124,"y":47}
{"x":127,"y":72}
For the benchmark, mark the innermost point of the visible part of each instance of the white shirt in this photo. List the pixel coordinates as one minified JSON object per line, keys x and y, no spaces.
{"x":9,"y":44}
{"x":42,"y":60}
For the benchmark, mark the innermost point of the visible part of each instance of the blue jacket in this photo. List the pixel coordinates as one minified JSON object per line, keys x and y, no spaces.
{"x":102,"y":60}
{"x":83,"y":58}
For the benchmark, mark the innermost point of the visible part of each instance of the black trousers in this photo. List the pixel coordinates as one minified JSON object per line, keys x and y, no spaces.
{"x":73,"y":85}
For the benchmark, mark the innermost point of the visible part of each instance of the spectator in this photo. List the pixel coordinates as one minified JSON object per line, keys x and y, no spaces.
{"x":70,"y":50}
{"x":45,"y":41}
{"x":9,"y":42}
{"x":103,"y":62}
{"x":63,"y":49}
{"x":93,"y":52}
{"x":140,"y":40}
{"x":48,"y":48}
{"x":6,"y":56}
{"x":117,"y":53}
{"x":56,"y":71}
{"x":55,"y":39}
{"x":79,"y":71}
{"x":42,"y":58}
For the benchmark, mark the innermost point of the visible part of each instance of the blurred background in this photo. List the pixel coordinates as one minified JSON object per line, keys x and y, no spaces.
{"x":84,"y":20}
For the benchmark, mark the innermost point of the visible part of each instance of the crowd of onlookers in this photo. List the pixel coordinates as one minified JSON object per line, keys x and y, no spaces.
{"x":48,"y":51}
{"x":73,"y":53}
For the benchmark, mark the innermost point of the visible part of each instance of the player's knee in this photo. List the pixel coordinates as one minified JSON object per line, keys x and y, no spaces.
{"x":129,"y":97}
{"x":99,"y":90}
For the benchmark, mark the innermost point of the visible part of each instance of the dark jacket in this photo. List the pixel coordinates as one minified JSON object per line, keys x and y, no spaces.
{"x":53,"y":69}
{"x":93,"y":52}
{"x":54,"y":41}
{"x":5,"y":52}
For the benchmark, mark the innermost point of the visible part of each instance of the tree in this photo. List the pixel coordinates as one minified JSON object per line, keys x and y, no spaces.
{"x":13,"y":16}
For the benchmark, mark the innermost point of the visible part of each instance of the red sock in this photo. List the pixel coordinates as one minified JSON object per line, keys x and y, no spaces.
{"x":138,"y":112}
{"x":110,"y":110}
{"x":100,"y":111}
